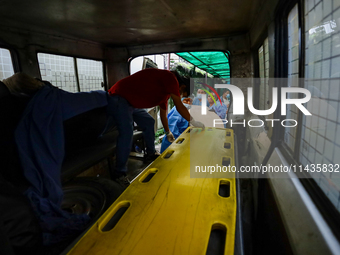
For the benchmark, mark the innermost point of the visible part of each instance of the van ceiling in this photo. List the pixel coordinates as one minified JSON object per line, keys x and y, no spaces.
{"x":126,"y":22}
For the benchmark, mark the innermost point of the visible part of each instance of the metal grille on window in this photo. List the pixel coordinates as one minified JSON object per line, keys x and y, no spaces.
{"x":6,"y":65}
{"x":90,"y":74}
{"x":293,"y":74}
{"x":263,"y":54}
{"x":261,"y":67}
{"x":58,"y":70}
{"x":266,"y":74}
{"x":321,"y":132}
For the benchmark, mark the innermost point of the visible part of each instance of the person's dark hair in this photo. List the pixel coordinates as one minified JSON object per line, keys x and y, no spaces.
{"x":183,"y":80}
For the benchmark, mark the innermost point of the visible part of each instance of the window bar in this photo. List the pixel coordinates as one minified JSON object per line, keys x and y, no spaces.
{"x":76,"y":73}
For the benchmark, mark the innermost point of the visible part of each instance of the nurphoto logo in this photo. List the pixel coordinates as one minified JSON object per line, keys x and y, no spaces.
{"x":238,"y":104}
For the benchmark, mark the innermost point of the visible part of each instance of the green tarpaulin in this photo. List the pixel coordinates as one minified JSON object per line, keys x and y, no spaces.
{"x":213,"y":62}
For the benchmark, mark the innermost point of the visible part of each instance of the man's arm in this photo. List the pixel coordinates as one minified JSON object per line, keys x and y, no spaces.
{"x":184,"y":112}
{"x":164,"y":119}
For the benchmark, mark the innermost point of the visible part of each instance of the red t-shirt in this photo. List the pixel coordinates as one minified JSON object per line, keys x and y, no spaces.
{"x":147,"y":88}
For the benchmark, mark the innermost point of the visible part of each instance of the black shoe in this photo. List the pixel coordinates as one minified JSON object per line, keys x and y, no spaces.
{"x":148,"y":158}
{"x":123,"y":181}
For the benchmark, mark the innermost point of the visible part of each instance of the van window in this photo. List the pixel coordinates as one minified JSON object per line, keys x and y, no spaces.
{"x":58,"y":70}
{"x":90,"y":74}
{"x":148,"y":61}
{"x":321,"y":132}
{"x":6,"y":65}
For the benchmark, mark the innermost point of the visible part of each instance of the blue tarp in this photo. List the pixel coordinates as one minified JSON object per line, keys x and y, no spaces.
{"x":40,"y":141}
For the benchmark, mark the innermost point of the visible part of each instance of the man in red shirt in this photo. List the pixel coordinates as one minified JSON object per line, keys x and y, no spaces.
{"x":126,"y":103}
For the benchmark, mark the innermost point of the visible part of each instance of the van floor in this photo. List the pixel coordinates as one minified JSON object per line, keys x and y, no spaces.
{"x":136,"y":164}
{"x":135,"y":167}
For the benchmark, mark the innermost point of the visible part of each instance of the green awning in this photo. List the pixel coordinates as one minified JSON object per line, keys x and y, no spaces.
{"x":213,"y":62}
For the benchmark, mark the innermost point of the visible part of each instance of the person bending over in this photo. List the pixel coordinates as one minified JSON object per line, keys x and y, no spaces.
{"x":129,"y":96}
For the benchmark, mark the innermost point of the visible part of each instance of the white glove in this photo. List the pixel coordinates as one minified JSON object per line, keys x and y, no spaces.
{"x":170,"y":137}
{"x":197,"y":124}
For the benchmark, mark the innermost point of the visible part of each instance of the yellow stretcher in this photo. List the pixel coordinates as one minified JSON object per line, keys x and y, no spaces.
{"x":165,"y":211}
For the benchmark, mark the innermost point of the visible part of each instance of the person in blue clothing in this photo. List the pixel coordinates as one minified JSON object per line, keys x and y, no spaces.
{"x":220,"y":110}
{"x":177,"y":124}
{"x":198,"y":98}
{"x":227,"y":101}
{"x":226,"y":97}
